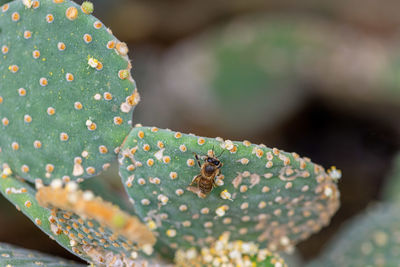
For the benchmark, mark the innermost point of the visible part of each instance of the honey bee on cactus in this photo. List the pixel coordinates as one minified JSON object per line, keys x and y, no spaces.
{"x":209,"y":170}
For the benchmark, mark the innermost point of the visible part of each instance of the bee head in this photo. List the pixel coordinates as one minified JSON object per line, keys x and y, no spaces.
{"x":214,"y":161}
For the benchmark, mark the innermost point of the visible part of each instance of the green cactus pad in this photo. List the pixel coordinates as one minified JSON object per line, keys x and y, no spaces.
{"x":85,"y":238}
{"x":97,"y":229}
{"x":97,"y":242}
{"x":22,"y":195}
{"x":12,"y":256}
{"x":391,"y":190}
{"x":265,"y":195}
{"x":66,"y":94}
{"x":371,"y":239}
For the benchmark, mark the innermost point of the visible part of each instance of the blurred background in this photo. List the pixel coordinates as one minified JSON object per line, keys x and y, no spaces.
{"x":320,"y":78}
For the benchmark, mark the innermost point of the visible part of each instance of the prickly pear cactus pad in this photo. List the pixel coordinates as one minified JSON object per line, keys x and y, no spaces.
{"x":66,"y":94}
{"x":18,"y":257}
{"x":371,"y":239}
{"x":89,"y":238}
{"x":96,"y":229}
{"x":84,"y":204}
{"x":22,"y":195}
{"x":264,"y":195}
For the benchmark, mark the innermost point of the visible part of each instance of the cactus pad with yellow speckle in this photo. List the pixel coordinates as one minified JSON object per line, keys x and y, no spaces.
{"x":263,"y":195}
{"x":224,"y":252}
{"x":370,"y":239}
{"x":66,"y":94}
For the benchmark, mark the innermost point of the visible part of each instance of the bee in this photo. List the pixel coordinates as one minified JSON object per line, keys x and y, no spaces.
{"x":208,"y":171}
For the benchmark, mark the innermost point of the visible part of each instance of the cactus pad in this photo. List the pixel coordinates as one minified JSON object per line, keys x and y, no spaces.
{"x":85,"y":237}
{"x":97,"y":229}
{"x":22,"y":195}
{"x":371,"y":239}
{"x":18,"y":257}
{"x":66,"y":94}
{"x":264,"y":195}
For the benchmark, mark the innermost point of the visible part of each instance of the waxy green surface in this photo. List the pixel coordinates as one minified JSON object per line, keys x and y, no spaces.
{"x":22,"y":195}
{"x":18,"y":257}
{"x":370,"y":239}
{"x":59,"y":116}
{"x":276,"y":198}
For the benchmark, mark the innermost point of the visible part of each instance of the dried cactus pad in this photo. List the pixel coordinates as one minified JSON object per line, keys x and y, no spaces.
{"x":66,"y":94}
{"x":86,"y":237}
{"x":18,"y":257}
{"x":371,"y":239}
{"x":97,"y":230}
{"x":264,"y":195}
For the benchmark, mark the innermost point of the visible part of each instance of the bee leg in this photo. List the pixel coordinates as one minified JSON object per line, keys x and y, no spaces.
{"x":196,"y":180}
{"x":201,"y":195}
{"x":216,"y":175}
{"x":196,"y":191}
{"x":197,"y":159}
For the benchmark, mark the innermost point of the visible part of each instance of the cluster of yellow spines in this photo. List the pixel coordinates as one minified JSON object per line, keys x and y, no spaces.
{"x":225,"y":253}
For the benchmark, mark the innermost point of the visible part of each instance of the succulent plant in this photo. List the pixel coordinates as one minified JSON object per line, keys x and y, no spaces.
{"x":370,"y":239}
{"x":373,"y":237}
{"x":66,"y":95}
{"x":263,"y":194}
{"x":66,"y":99}
{"x":22,"y":195}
